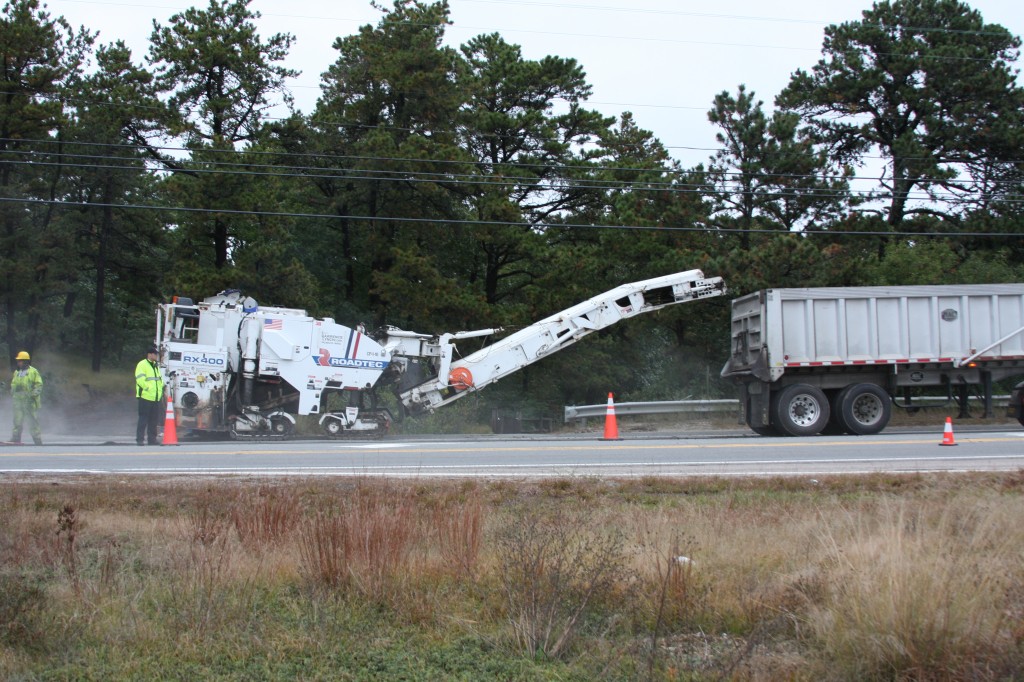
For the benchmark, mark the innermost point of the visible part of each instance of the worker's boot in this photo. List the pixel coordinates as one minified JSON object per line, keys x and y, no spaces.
{"x":37,"y":440}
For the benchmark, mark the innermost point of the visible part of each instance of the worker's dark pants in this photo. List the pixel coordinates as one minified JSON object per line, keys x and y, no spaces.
{"x":150,"y":412}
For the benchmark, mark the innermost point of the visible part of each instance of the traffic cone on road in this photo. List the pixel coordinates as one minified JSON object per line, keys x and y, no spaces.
{"x":611,"y":427}
{"x":170,"y":428}
{"x":947,"y":433}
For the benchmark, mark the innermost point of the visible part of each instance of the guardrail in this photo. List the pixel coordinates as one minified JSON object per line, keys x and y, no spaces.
{"x":661,"y":407}
{"x":575,"y":412}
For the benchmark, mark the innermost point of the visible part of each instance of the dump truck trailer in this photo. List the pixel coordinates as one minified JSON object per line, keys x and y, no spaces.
{"x":839,"y":359}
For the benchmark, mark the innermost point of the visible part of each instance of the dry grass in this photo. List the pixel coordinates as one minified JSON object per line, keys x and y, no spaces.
{"x":920,"y":588}
{"x":460,"y":530}
{"x":266,"y":516}
{"x":873,"y":578}
{"x":362,"y":540}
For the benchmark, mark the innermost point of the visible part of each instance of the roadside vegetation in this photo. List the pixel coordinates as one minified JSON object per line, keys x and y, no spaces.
{"x":882,"y":577}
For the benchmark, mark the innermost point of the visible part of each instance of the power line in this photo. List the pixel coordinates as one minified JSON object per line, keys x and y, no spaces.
{"x":508,"y":223}
{"x":551,"y":184}
{"x":343,"y":173}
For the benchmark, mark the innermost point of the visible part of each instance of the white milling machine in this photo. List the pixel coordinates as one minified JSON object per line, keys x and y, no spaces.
{"x":236,"y":367}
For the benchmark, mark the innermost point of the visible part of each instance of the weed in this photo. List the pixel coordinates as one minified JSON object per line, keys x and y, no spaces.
{"x":459,"y":528}
{"x":209,"y":560}
{"x":912,"y":592}
{"x":381,"y":525}
{"x":364,"y":542}
{"x":323,"y":549}
{"x":67,"y":533}
{"x":552,"y":569}
{"x":677,"y":593}
{"x":265,"y":517}
{"x":22,"y":605}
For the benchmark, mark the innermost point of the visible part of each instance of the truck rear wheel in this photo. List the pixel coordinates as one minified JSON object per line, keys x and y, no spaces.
{"x":863,"y":409}
{"x":1016,"y":406}
{"x":799,"y":410}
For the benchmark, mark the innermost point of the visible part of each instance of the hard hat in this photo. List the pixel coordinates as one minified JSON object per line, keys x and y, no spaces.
{"x":152,"y":349}
{"x":23,"y":355}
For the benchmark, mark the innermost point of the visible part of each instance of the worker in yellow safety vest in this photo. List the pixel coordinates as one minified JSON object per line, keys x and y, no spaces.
{"x":149,"y":391}
{"x":26,"y":393}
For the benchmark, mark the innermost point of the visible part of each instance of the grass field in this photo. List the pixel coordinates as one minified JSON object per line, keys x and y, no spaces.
{"x":870,"y":578}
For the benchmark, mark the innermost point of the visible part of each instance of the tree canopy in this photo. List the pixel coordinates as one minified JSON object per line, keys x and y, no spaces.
{"x":439,"y":187}
{"x":926,"y":83}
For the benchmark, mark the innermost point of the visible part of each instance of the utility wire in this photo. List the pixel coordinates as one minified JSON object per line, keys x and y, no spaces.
{"x":543,"y":184}
{"x":509,"y":223}
{"x":322,"y":171}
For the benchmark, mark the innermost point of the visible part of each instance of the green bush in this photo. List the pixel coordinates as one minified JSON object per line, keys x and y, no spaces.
{"x":22,"y":610}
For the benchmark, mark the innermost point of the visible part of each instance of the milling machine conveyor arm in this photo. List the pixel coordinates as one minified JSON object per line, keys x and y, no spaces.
{"x":456,"y":378}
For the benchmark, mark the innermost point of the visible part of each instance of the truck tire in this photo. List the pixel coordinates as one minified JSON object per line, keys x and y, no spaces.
{"x":863,"y":409}
{"x":281,"y":426}
{"x":799,"y":410}
{"x":1015,"y":407}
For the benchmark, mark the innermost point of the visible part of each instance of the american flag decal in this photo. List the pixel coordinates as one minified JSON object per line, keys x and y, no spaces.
{"x":274,"y":324}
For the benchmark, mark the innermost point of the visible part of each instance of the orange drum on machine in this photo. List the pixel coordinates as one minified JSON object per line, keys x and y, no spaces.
{"x":460,"y":379}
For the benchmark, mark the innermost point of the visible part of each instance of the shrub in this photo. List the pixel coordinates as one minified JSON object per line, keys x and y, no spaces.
{"x":266,"y":516}
{"x":22,"y":605}
{"x":323,"y":549}
{"x":552,"y":572}
{"x":365,"y":542}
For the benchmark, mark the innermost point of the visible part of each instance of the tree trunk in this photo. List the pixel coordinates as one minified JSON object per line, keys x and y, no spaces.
{"x":101,"y":284}
{"x":220,"y":243}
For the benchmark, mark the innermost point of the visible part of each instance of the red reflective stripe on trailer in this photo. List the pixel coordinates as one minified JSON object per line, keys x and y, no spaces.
{"x":839,"y":363}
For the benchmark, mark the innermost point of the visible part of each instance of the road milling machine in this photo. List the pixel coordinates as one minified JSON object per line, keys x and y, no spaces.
{"x":233,"y":366}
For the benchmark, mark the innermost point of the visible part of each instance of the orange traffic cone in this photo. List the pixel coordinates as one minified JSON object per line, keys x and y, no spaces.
{"x":170,"y":427}
{"x":611,"y":427}
{"x":947,"y":433}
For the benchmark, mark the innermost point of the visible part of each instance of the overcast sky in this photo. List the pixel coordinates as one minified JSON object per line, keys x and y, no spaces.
{"x":664,"y":60}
